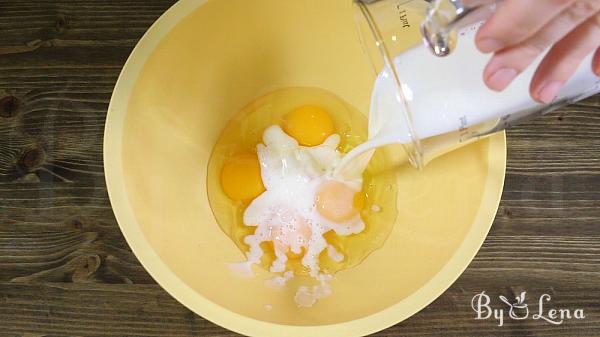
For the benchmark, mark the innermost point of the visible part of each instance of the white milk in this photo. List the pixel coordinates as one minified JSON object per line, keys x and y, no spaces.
{"x":448,"y":94}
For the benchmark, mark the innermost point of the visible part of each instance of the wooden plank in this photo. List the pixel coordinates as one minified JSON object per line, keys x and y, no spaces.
{"x":146,"y":310}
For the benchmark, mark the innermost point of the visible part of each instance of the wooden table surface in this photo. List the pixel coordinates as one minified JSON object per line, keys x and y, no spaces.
{"x":66,"y":270}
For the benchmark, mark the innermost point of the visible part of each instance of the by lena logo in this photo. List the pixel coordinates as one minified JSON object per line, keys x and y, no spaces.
{"x":519,"y":305}
{"x":519,"y":309}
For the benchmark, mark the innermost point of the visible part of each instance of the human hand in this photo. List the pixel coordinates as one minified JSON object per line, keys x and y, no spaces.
{"x":520,"y":30}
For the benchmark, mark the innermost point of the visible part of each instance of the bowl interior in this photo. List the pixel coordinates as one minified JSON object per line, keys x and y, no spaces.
{"x":169,"y":113}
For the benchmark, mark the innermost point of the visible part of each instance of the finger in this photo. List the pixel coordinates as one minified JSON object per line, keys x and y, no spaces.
{"x":563,"y":60}
{"x":506,"y":64}
{"x":596,"y":62}
{"x":515,"y":21}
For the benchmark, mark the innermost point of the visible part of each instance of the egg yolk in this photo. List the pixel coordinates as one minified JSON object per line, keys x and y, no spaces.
{"x":282,"y":236}
{"x":338,"y":202}
{"x":240,"y":177}
{"x":310,"y":125}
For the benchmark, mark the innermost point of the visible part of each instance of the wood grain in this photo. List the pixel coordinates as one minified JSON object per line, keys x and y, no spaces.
{"x":65,"y":269}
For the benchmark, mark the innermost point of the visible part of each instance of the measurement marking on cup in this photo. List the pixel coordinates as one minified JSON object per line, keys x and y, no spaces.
{"x":463,"y":123}
{"x":403,"y":17}
{"x":463,"y":129}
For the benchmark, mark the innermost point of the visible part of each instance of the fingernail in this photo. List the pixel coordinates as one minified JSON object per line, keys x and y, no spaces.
{"x":501,"y":78}
{"x":489,"y":45}
{"x":549,"y":91}
{"x":596,"y":69}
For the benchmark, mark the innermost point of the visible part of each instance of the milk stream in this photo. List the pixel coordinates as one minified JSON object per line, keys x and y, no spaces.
{"x":447,"y":94}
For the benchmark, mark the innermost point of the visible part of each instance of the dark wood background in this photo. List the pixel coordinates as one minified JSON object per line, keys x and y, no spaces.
{"x":65,"y":269}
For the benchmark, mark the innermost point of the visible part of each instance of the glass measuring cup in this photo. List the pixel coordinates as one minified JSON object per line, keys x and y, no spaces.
{"x":429,"y":93}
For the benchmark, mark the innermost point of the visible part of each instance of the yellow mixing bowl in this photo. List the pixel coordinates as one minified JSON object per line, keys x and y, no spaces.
{"x":197,"y":66}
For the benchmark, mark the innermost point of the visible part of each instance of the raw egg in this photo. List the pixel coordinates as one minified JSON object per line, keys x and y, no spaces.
{"x":240,"y":177}
{"x":310,"y":125}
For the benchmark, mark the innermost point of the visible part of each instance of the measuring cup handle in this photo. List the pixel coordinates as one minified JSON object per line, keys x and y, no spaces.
{"x":469,"y":12}
{"x":445,"y":17}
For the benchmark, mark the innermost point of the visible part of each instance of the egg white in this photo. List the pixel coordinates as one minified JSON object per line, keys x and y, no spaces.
{"x":286,"y":211}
